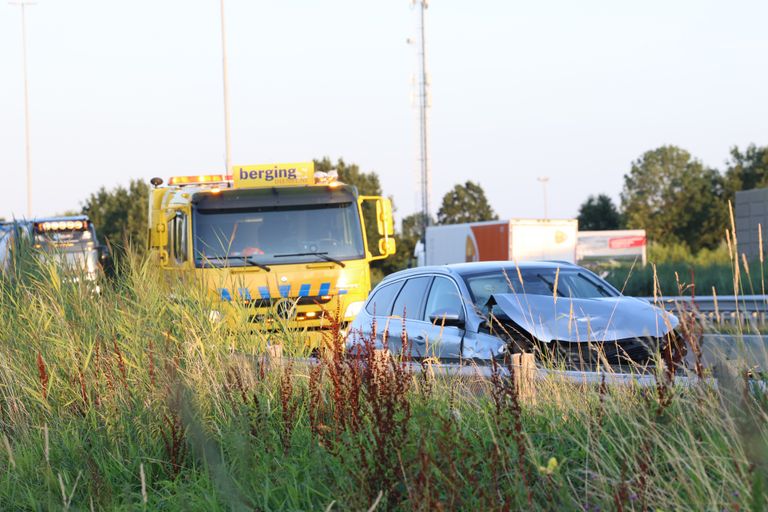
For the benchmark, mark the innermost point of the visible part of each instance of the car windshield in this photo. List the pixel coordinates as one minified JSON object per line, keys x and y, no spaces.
{"x":570,"y":283}
{"x":63,"y":238}
{"x":270,"y":236}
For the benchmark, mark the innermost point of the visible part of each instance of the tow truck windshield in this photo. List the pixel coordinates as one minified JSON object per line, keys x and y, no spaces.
{"x":268,"y":236}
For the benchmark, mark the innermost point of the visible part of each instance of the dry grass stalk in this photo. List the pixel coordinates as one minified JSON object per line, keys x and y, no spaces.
{"x":9,"y":451}
{"x":762,"y":257}
{"x":143,"y":484}
{"x":67,"y":500}
{"x":46,"y":445}
{"x":717,"y":308}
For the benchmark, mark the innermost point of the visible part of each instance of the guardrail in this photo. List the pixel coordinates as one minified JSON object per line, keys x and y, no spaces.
{"x":720,"y":309}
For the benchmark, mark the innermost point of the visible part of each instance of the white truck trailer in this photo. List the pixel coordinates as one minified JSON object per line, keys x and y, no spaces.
{"x":513,"y":239}
{"x":611,"y":246}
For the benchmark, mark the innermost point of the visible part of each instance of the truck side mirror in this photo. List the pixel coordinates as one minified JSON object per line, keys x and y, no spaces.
{"x":387,"y":246}
{"x":384,"y":219}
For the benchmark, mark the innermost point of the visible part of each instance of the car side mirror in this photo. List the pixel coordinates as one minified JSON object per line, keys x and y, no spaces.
{"x":447,"y":317}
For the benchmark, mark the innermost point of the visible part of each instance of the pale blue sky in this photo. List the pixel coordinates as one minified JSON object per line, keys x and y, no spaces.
{"x":570,"y":90}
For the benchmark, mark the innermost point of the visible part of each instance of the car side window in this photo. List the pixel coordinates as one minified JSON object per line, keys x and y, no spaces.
{"x":411,"y":297}
{"x":444,"y":295}
{"x":380,"y":303}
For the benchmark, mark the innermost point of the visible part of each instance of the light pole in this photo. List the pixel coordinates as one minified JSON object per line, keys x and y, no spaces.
{"x":544,"y":180}
{"x":225,"y":78}
{"x":23,"y":4}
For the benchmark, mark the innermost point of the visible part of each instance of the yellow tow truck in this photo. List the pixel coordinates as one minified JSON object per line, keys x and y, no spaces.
{"x":287,"y":244}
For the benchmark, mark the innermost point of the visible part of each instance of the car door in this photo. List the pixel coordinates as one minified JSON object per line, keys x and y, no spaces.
{"x":377,"y":312}
{"x":442,"y":337}
{"x":408,"y":316}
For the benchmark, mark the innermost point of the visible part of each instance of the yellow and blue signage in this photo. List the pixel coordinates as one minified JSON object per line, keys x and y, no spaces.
{"x":285,"y":291}
{"x":274,"y":175}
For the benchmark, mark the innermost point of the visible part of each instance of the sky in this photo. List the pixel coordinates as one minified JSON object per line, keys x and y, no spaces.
{"x":574,"y":91}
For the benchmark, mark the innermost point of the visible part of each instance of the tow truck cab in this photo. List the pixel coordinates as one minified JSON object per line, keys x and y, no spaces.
{"x":285,"y":242}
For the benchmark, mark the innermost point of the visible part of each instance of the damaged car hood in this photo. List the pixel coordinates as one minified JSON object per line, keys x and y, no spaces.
{"x":581,"y":320}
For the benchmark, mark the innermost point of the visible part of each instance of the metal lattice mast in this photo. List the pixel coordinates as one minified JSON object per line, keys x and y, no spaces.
{"x":423,"y":120}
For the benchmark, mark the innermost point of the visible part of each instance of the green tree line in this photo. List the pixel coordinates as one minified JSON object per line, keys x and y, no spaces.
{"x":676,"y":198}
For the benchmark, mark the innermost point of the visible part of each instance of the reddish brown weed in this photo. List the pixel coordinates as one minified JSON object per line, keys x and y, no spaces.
{"x":289,"y":405}
{"x":43,"y":374}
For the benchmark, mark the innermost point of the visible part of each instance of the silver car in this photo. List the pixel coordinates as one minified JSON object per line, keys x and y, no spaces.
{"x":484,"y":310}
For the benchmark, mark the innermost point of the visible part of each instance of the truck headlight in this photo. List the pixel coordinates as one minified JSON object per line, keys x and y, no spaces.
{"x":353,"y":309}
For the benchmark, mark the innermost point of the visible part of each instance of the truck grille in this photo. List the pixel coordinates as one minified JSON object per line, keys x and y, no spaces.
{"x":301,"y":301}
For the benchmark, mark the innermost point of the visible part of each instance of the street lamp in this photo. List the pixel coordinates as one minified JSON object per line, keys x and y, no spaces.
{"x":544,"y":180}
{"x":23,"y":4}
{"x":225,"y":80}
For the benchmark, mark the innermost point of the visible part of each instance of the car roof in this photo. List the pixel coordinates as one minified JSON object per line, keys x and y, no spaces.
{"x":461,"y":269}
{"x":61,"y":218}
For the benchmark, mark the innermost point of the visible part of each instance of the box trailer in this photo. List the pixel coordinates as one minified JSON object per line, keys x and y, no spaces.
{"x":513,"y":239}
{"x":611,"y":246}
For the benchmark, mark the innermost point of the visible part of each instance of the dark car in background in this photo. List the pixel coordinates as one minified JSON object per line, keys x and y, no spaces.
{"x":70,"y":242}
{"x":13,"y":234}
{"x":480,"y":311}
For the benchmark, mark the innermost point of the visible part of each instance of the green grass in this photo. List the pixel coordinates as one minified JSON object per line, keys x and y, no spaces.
{"x":138,"y":379}
{"x":675,"y":278}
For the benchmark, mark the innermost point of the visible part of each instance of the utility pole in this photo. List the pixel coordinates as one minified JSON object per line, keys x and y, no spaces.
{"x":544,"y":180}
{"x":423,"y":125}
{"x":227,"y":161}
{"x":24,"y":4}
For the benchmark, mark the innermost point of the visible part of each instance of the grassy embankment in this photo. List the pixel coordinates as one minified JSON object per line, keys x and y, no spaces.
{"x":674,"y":270}
{"x":130,"y":401}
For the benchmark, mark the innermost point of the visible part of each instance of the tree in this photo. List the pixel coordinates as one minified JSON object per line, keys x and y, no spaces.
{"x":599,"y":212}
{"x":465,"y":203}
{"x":746,"y":170}
{"x":675,"y":199}
{"x":120,"y":214}
{"x":367,"y":184}
{"x":409,"y":235}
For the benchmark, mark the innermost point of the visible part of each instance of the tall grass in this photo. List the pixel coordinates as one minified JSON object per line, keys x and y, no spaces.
{"x":135,"y":399}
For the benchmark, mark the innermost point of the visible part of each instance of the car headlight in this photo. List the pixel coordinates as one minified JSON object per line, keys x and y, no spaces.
{"x":353,"y":309}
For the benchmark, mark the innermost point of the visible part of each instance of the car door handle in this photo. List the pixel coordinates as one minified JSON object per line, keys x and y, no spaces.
{"x":419,"y":339}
